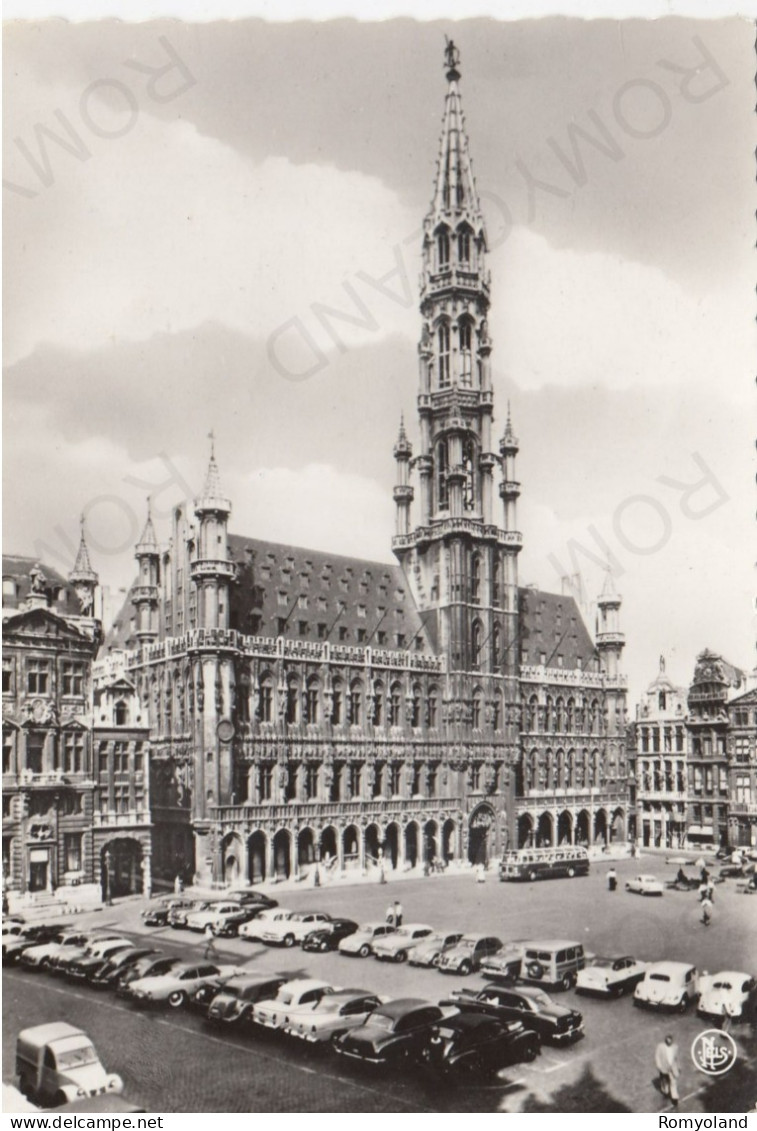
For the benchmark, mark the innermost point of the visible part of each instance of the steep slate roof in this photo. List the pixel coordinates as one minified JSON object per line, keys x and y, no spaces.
{"x":312,"y":588}
{"x":552,"y":625}
{"x":18,"y":567}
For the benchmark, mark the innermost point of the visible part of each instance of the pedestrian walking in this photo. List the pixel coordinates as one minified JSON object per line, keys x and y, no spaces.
{"x":210,"y":944}
{"x":612,"y":880}
{"x":666,"y":1062}
{"x":390,"y":915}
{"x":706,"y":912}
{"x":398,"y":913}
{"x":480,"y":874}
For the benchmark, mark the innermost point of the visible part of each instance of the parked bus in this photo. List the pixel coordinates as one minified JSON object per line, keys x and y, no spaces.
{"x":544,"y":863}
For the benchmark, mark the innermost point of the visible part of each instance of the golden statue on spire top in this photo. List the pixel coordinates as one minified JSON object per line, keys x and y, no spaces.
{"x":451,"y":59}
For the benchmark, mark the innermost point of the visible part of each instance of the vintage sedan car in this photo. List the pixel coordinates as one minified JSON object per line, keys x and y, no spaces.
{"x":475,"y":1044}
{"x":175,"y":987}
{"x":505,"y":965}
{"x":251,"y":897}
{"x":429,"y":950}
{"x":233,"y":1003}
{"x":645,"y":885}
{"x":152,"y":966}
{"x":293,"y":930}
{"x":253,"y":928}
{"x":329,"y":935}
{"x":207,"y":916}
{"x":731,"y":993}
{"x":178,"y":916}
{"x":469,"y":954}
{"x":361,"y":942}
{"x":610,"y":977}
{"x":291,"y":996}
{"x":39,"y":957}
{"x":84,"y":968}
{"x":394,"y":1035}
{"x":553,"y":1023}
{"x":332,"y":1016}
{"x":158,"y":914}
{"x":70,"y":964}
{"x":667,"y":985}
{"x":398,"y":946}
{"x":32,"y":935}
{"x":227,"y":926}
{"x":108,"y":972}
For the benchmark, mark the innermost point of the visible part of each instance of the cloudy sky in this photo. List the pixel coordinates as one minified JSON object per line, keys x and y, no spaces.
{"x":216,"y":226}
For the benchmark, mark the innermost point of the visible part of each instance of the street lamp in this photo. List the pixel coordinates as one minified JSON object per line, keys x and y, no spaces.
{"x":108,"y":860}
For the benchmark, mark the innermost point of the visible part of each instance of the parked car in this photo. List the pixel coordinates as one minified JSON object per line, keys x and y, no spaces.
{"x":251,"y":896}
{"x":645,"y":885}
{"x":533,"y":1007}
{"x":361,"y":942}
{"x":36,"y":933}
{"x":158,"y":914}
{"x":77,"y":964}
{"x":398,"y":946}
{"x":57,"y":1062}
{"x":504,"y":966}
{"x":291,"y":995}
{"x":475,"y":1044}
{"x":610,"y":977}
{"x":395,"y":1034}
{"x":39,"y":957}
{"x":667,"y":985}
{"x":178,"y":916}
{"x":329,"y":935}
{"x":152,"y":966}
{"x":468,"y":954}
{"x":429,"y":950}
{"x":730,"y":993}
{"x":111,"y":970}
{"x":552,"y":962}
{"x":333,"y":1015}
{"x":294,"y":929}
{"x":175,"y":987}
{"x":252,"y":929}
{"x":227,"y":925}
{"x":207,"y":916}
{"x":233,"y":1003}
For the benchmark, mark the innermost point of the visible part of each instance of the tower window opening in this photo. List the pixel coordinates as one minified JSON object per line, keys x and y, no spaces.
{"x":475,"y":578}
{"x":444,"y":369}
{"x":463,"y":246}
{"x":441,"y":475}
{"x":469,"y":494}
{"x":442,"y":249}
{"x":476,"y":647}
{"x":466,"y":365}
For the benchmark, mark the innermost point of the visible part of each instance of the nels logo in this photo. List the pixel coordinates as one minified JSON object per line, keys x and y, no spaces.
{"x":713,"y":1052}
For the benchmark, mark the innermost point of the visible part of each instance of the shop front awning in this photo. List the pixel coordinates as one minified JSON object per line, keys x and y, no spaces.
{"x":701,"y":831}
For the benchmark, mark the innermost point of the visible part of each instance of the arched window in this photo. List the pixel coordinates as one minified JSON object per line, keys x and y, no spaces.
{"x":293,"y":702}
{"x":121,"y":714}
{"x":395,"y":705}
{"x":466,"y":363}
{"x":337,"y":708}
{"x":496,"y":580}
{"x":469,"y":466}
{"x":463,"y":245}
{"x":312,"y":699}
{"x":569,"y":762}
{"x":415,"y":717}
{"x":559,"y":714}
{"x":265,"y":701}
{"x":355,"y":703}
{"x":442,"y":248}
{"x":478,"y":708}
{"x":570,"y":714}
{"x":533,"y":713}
{"x":476,"y":646}
{"x":444,"y":366}
{"x":433,"y":706}
{"x":441,"y":475}
{"x":475,"y":577}
{"x":378,"y":704}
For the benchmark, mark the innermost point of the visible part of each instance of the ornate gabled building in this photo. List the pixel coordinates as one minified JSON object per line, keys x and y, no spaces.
{"x":742,"y":758}
{"x":310,"y":708}
{"x":660,"y":757}
{"x":50,"y":639}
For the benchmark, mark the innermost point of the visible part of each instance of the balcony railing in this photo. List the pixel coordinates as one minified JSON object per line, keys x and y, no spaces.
{"x":452,"y":526}
{"x":111,"y":819}
{"x":743,"y":808}
{"x":569,"y":677}
{"x":304,"y":812}
{"x":565,"y":798}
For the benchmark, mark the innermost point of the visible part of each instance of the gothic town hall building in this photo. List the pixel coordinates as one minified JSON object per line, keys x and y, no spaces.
{"x":310,"y":710}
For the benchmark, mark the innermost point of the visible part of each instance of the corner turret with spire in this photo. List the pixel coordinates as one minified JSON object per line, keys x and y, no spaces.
{"x":211,"y":569}
{"x":83,"y":578}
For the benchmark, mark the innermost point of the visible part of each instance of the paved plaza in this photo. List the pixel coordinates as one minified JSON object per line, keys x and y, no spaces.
{"x":172,"y":1062}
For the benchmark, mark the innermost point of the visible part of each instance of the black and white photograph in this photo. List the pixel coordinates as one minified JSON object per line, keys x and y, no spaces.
{"x":379,"y":614}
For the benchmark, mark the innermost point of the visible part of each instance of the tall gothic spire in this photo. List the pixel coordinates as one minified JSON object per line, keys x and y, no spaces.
{"x":455,"y":191}
{"x":83,"y":577}
{"x":211,"y":497}
{"x":148,"y":543}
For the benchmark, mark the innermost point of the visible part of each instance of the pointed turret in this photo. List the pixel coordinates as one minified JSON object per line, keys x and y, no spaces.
{"x":610,"y":640}
{"x":403,"y":492}
{"x":145,"y":594}
{"x":83,"y":577}
{"x":211,"y":570}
